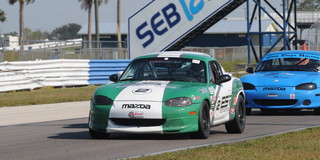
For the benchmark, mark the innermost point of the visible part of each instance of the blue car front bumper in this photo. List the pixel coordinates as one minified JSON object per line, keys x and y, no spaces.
{"x":287,"y":98}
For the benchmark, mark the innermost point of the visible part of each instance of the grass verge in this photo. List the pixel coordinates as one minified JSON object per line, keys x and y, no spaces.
{"x":298,"y":145}
{"x":46,"y":95}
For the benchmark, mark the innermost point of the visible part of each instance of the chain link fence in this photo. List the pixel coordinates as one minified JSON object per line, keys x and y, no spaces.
{"x":313,"y":40}
{"x":46,"y":50}
{"x":73,"y":49}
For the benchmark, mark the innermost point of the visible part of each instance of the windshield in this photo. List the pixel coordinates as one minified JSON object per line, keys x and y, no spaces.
{"x":289,"y":64}
{"x":171,"y":69}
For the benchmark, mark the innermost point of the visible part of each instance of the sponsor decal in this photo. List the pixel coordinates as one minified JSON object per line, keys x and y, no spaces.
{"x":138,"y":106}
{"x":214,"y":99}
{"x":192,"y":9}
{"x":311,"y":56}
{"x":274,"y":89}
{"x":163,"y":21}
{"x":292,"y":96}
{"x":193,"y":97}
{"x":211,"y":112}
{"x":142,"y":91}
{"x":233,"y":110}
{"x":272,"y":95}
{"x":234,"y":100}
{"x":196,"y":61}
{"x":136,"y":115}
{"x":203,"y":90}
{"x":289,"y":74}
{"x":211,"y":90}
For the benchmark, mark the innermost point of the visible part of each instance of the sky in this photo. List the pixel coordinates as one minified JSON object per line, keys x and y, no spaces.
{"x":46,"y":15}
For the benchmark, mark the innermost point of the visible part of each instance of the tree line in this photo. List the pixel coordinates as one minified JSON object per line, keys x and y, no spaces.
{"x":62,"y":31}
{"x":65,"y":32}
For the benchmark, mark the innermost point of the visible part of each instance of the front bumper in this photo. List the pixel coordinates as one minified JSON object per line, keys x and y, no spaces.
{"x":288,"y":99}
{"x":173,"y":120}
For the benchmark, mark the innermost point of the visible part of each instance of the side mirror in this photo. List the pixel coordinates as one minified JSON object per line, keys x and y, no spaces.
{"x":114,"y":78}
{"x":249,"y":70}
{"x":223,"y":78}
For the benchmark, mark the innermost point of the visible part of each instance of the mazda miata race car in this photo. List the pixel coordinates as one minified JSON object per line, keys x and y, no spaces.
{"x":168,"y":93}
{"x":284,"y":80}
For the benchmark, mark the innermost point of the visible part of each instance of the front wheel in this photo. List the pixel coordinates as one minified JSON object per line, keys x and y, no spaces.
{"x":98,"y":135}
{"x":238,"y":124}
{"x":248,"y":111}
{"x":203,"y":122}
{"x":317,"y":111}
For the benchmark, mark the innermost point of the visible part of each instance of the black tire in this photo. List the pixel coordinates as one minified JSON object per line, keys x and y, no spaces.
{"x":238,"y":124}
{"x":317,"y":111}
{"x":203,"y":122}
{"x":248,"y":111}
{"x":98,"y":135}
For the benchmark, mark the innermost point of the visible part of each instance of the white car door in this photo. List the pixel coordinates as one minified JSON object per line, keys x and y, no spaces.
{"x":221,"y":97}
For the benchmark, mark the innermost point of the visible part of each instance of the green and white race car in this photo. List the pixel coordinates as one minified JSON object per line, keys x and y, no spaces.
{"x":169,"y":93}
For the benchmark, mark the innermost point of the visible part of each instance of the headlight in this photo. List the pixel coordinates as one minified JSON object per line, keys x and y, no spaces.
{"x":248,"y":86}
{"x":102,"y":100}
{"x":306,"y":86}
{"x":178,"y":102}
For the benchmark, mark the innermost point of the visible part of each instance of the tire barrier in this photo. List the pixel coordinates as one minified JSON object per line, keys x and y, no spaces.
{"x":29,"y":75}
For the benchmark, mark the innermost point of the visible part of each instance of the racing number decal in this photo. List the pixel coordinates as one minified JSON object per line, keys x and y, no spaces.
{"x":223,"y":103}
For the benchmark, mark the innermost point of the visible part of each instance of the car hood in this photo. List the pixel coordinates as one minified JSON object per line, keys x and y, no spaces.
{"x":281,"y":78}
{"x":151,"y":90}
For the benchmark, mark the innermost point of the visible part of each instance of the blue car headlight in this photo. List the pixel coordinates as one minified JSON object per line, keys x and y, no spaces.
{"x":178,"y":102}
{"x":101,"y":100}
{"x":248,"y":86}
{"x":306,"y":86}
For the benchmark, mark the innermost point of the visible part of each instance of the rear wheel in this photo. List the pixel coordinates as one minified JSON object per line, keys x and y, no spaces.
{"x":238,"y":124}
{"x":203,"y":122}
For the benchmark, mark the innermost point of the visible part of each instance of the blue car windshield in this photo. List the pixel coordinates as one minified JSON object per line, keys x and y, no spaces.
{"x":289,"y":64}
{"x":170,"y":69}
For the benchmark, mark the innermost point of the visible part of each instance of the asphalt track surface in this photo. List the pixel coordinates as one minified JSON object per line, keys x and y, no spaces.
{"x":59,"y":131}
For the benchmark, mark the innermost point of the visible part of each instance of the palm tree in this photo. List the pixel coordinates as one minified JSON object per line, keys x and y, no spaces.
{"x":119,"y":23}
{"x":21,"y":19}
{"x":2,"y":16}
{"x":87,"y":5}
{"x":96,"y":6}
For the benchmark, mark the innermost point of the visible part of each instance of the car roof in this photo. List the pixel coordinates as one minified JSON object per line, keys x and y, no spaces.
{"x":178,"y":54}
{"x":292,"y":54}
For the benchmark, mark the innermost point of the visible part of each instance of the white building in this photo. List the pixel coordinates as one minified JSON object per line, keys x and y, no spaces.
{"x":9,"y":41}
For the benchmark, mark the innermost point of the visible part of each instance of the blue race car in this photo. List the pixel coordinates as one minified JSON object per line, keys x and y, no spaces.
{"x":284,"y":80}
